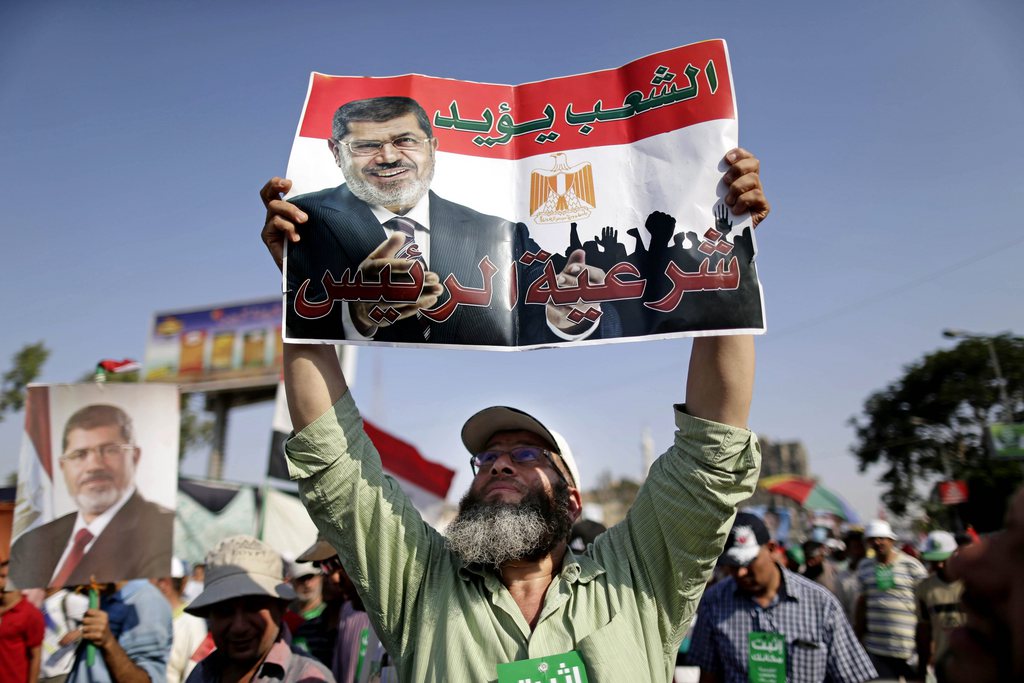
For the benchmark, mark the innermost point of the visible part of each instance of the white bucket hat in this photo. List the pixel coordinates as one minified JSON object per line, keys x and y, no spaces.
{"x":879,"y":528}
{"x":241,"y":566}
{"x":479,"y":429}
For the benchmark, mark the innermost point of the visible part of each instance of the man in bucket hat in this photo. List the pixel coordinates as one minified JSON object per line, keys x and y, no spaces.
{"x":502,"y":598}
{"x":765,"y":622}
{"x":244,"y":599}
{"x":886,"y":619}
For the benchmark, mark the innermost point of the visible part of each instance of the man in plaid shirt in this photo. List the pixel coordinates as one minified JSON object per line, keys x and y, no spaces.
{"x":770,"y":622}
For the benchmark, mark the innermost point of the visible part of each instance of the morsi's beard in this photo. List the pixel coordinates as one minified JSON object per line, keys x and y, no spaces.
{"x":406,"y":193}
{"x":486,"y":533}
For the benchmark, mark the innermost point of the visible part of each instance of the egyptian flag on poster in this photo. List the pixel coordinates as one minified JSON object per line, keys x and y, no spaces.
{"x":34,"y":499}
{"x":425,"y":482}
{"x":622,"y":166}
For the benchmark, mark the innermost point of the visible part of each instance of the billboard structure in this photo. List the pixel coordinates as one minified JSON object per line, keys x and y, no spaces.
{"x":217,"y":348}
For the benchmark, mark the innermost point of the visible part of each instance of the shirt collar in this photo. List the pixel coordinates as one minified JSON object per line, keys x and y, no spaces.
{"x":419,"y":213}
{"x":280,"y":656}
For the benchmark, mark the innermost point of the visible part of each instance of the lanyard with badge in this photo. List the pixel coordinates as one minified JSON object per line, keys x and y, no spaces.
{"x":564,"y":668}
{"x":884,"y":579}
{"x":766,"y":657}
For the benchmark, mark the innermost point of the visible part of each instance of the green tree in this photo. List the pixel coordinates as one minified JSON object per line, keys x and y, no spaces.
{"x":930,"y":424}
{"x":25,"y":367}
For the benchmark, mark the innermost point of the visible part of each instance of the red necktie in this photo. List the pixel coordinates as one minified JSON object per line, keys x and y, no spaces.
{"x":82,"y":539}
{"x":410,"y":250}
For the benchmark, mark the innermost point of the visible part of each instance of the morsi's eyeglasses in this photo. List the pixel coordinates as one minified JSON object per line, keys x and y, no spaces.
{"x":519,"y":455}
{"x":369,"y":148}
{"x":105,"y":451}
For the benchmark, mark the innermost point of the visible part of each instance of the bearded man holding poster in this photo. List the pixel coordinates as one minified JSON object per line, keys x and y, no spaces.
{"x":503,"y":598}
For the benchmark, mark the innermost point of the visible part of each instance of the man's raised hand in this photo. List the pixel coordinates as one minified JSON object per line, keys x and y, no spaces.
{"x":283,"y":218}
{"x":371,"y":267}
{"x":743,"y":178}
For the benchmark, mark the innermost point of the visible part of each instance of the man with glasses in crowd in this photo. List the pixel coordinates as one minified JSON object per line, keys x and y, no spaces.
{"x":385,"y":215}
{"x":116,"y":533}
{"x":500,"y":596}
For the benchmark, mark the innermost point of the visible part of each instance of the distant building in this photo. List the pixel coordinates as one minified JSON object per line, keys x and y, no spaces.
{"x":781,"y":457}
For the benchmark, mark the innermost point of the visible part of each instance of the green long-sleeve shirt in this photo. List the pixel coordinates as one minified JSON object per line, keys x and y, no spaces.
{"x":624,"y":604}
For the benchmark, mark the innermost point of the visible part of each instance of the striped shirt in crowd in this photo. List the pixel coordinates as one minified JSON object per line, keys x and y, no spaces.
{"x":892,"y":612}
{"x":820,"y":644}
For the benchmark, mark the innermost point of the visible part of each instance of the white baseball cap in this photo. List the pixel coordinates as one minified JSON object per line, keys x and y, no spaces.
{"x":479,"y":429}
{"x":938,"y":546}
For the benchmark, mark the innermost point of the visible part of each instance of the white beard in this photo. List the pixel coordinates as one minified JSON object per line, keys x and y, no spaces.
{"x":96,"y":502}
{"x":495,"y":533}
{"x":402,"y":194}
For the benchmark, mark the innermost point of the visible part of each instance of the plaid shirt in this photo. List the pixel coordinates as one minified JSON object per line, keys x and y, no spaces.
{"x":820,"y":645}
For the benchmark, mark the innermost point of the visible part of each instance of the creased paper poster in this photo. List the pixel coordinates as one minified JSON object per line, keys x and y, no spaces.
{"x":576,"y":210}
{"x":97,"y":483}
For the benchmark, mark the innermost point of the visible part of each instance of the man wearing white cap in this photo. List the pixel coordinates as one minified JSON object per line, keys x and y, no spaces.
{"x":886,"y":619}
{"x":244,"y":599}
{"x":767,"y":623}
{"x":938,"y":601}
{"x":503,"y":598}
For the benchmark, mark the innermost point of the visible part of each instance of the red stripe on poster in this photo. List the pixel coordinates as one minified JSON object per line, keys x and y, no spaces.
{"x":652,"y":95}
{"x":37,"y":425}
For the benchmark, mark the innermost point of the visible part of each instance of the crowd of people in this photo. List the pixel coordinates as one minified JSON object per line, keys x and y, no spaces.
{"x":857,"y":608}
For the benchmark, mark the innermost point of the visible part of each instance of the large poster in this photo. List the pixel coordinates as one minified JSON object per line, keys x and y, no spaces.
{"x":97,"y":484}
{"x":575,"y":210}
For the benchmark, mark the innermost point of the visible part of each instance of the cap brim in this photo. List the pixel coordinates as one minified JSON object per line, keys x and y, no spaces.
{"x":739,"y":557}
{"x":479,"y":428}
{"x":318,"y":552}
{"x":937,"y":555}
{"x":239,"y":585}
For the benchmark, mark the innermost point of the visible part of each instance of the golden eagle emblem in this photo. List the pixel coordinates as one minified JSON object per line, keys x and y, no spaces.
{"x":563,"y":193}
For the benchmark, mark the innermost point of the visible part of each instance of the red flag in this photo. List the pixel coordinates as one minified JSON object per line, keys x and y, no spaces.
{"x":403,"y":460}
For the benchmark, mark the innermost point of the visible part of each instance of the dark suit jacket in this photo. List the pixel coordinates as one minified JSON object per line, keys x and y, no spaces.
{"x":342,"y":231}
{"x":137,"y":543}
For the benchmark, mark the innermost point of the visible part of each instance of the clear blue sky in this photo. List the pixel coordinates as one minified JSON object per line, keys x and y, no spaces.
{"x":135,"y":137}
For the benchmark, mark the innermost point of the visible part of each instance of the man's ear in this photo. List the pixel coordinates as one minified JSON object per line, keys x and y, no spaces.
{"x":575,"y":504}
{"x":433,"y":144}
{"x":136,"y":456}
{"x":335,"y":152}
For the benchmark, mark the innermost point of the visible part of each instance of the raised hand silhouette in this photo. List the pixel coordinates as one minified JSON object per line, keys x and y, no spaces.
{"x":639,"y":249}
{"x":661,"y":226}
{"x":614,"y":251}
{"x":722,"y":222}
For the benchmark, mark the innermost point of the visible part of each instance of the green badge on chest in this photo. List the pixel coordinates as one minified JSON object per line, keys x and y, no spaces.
{"x":564,"y":668}
{"x":766,"y":657}
{"x":883,"y":577}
